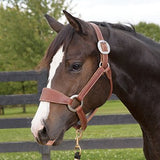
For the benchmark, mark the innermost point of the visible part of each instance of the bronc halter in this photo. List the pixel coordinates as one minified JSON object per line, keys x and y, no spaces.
{"x":54,"y":96}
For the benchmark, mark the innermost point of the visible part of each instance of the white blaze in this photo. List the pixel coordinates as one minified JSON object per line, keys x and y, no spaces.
{"x":44,"y":107}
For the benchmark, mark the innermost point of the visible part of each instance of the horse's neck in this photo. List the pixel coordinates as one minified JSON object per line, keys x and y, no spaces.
{"x":135,"y":75}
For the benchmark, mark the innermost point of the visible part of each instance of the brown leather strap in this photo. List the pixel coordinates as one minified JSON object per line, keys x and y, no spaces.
{"x":109,"y":75}
{"x":82,"y":117}
{"x":54,"y":96}
{"x":91,"y":114}
{"x":98,"y":31}
{"x":91,"y":83}
{"x":104,"y":57}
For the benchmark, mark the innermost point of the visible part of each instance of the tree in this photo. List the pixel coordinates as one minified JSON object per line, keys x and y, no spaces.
{"x":24,"y":37}
{"x":150,"y":30}
{"x":24,"y":33}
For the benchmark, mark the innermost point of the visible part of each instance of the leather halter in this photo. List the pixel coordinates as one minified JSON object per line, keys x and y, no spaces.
{"x":54,"y":96}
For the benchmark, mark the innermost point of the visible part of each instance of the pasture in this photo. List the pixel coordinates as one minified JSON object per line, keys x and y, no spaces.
{"x":107,"y":131}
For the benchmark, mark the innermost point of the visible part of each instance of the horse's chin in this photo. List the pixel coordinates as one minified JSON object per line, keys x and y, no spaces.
{"x":49,"y":141}
{"x":55,"y":142}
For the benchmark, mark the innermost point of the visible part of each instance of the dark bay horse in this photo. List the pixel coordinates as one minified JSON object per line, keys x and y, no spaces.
{"x":72,"y":59}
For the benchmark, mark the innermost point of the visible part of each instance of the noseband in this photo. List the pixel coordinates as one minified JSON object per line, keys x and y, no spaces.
{"x":54,"y":96}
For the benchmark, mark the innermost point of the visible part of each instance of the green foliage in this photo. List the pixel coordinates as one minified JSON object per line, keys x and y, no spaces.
{"x":24,"y":33}
{"x":27,"y":87}
{"x":24,"y":37}
{"x":150,"y":30}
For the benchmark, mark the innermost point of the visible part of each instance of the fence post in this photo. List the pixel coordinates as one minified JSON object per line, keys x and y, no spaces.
{"x":45,"y":151}
{"x":42,"y":81}
{"x":23,"y":91}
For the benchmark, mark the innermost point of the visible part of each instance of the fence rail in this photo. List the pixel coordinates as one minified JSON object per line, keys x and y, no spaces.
{"x":41,"y":78}
{"x":97,"y":120}
{"x":108,"y":143}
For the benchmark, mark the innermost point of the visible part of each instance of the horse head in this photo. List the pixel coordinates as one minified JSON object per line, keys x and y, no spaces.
{"x":72,"y":58}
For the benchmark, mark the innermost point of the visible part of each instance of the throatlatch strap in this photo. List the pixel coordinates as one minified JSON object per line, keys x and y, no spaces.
{"x":109,"y":75}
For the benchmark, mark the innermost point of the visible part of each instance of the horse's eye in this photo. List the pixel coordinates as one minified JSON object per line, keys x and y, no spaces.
{"x":76,"y":67}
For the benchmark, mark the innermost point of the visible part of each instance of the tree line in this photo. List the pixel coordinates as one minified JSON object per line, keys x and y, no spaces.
{"x":24,"y":37}
{"x":25,"y":34}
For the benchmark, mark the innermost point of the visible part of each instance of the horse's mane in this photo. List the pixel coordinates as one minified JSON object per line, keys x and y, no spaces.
{"x":131,"y":29}
{"x":66,"y":34}
{"x":128,"y":28}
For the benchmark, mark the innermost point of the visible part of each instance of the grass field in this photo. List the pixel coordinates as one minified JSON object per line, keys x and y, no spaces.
{"x":111,"y":107}
{"x":107,"y":131}
{"x":103,"y":154}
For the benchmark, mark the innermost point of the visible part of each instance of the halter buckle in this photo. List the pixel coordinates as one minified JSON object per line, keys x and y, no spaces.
{"x":103,"y":47}
{"x":69,"y":105}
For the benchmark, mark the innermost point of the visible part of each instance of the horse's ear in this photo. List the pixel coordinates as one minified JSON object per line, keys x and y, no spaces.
{"x":77,"y":24}
{"x":54,"y":24}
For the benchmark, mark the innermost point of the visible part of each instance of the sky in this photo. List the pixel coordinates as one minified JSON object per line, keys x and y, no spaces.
{"x":114,"y":11}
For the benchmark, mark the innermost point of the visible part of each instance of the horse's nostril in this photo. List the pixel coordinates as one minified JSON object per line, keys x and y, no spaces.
{"x":43,"y":137}
{"x":42,"y":132}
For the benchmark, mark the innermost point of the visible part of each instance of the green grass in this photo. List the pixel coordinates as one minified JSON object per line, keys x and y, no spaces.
{"x":17,"y":112}
{"x":111,"y":107}
{"x":103,"y":154}
{"x":106,"y":131}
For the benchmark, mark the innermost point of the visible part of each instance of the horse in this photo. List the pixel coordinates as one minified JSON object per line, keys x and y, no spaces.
{"x":72,"y":59}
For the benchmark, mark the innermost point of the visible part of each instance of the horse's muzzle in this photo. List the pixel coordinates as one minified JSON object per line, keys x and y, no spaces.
{"x":43,"y":137}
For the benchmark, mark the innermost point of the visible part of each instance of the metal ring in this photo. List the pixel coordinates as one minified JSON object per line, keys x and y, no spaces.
{"x":108,"y":65}
{"x":70,"y":107}
{"x":100,"y":64}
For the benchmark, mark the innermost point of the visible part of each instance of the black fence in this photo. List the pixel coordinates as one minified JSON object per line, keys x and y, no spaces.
{"x":69,"y":144}
{"x":41,"y":78}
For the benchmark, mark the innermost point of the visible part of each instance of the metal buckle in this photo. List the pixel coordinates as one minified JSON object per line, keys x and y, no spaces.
{"x":100,"y":47}
{"x":100,"y":65}
{"x":69,"y":105}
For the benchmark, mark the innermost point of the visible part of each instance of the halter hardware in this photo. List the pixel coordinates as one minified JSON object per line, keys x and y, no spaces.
{"x":69,"y":105}
{"x":103,"y":47}
{"x":100,"y":64}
